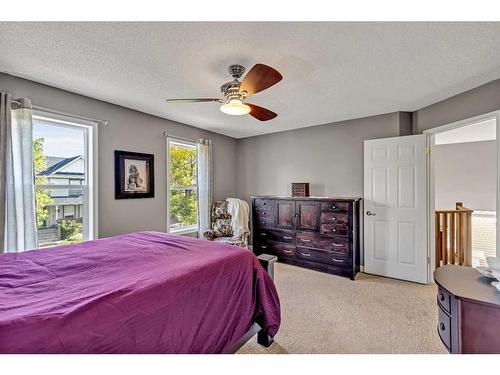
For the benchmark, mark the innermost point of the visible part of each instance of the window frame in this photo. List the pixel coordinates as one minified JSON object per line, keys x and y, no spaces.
{"x":188,"y":143}
{"x":89,"y":184}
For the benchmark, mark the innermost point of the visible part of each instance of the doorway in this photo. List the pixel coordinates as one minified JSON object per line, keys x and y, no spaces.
{"x":463,"y":191}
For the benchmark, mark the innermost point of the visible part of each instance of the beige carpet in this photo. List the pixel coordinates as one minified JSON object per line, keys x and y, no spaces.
{"x":322,"y":313}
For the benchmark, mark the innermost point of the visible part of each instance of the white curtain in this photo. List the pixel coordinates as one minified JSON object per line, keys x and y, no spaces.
{"x":17,"y":193}
{"x":205,"y":184}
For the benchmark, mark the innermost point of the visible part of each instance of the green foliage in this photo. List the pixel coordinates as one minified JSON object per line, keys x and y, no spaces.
{"x":42,"y":197}
{"x":182,"y":166}
{"x":70,"y":230}
{"x":183,"y":207}
{"x":183,"y":203}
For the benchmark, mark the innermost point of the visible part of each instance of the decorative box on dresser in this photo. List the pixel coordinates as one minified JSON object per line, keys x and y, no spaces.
{"x":317,"y":233}
{"x":468,"y":311}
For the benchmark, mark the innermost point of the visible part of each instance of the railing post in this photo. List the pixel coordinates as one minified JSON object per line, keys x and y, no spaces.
{"x":468,"y":252}
{"x":455,"y":247}
{"x":452,"y":238}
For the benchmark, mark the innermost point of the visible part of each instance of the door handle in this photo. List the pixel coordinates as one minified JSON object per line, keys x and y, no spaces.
{"x":369,"y":213}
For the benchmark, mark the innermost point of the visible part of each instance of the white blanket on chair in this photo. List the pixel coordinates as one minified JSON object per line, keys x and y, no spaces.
{"x":240,"y":212}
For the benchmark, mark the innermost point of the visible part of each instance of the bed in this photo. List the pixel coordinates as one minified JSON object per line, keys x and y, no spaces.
{"x":144,"y":292}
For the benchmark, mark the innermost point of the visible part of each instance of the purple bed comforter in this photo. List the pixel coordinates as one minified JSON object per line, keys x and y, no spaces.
{"x":145,"y":292}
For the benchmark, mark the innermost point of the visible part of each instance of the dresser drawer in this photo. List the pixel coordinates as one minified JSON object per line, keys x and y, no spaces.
{"x":335,"y":229}
{"x":336,"y":244}
{"x":272,"y":235}
{"x":276,"y":248}
{"x":287,"y":251}
{"x":444,"y":299}
{"x":444,"y":328}
{"x":308,"y":239}
{"x":331,"y":217}
{"x":321,"y":256}
{"x":264,"y":204}
{"x":335,"y":206}
{"x":267,"y":247}
{"x":265,"y":221}
{"x":317,"y":241}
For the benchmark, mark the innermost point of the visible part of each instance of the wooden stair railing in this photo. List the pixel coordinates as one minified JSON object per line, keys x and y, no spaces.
{"x":454,"y":236}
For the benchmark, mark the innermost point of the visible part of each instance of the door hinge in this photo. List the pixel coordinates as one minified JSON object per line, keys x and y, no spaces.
{"x":428,"y":260}
{"x":427,"y":150}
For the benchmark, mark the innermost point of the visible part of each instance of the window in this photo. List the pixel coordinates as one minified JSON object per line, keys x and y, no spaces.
{"x":182,"y":189}
{"x":65,"y":198}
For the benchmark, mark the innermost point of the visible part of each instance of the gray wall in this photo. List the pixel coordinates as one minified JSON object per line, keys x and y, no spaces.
{"x":465,"y":172}
{"x":132,"y":131}
{"x":482,"y":99}
{"x":330,"y":157}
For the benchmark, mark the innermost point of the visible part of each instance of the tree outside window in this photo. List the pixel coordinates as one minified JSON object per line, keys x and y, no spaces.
{"x":42,"y":197}
{"x":183,"y":190}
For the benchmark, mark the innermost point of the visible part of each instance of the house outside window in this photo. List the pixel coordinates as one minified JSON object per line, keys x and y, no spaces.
{"x":182,"y":186}
{"x":65,"y":199}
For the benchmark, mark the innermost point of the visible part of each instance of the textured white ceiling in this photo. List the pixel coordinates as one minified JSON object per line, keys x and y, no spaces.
{"x":332,"y":71}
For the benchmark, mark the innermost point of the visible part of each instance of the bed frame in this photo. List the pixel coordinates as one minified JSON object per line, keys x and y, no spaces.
{"x":267,"y":262}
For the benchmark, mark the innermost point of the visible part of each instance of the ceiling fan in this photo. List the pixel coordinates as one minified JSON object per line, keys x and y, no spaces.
{"x":259,"y":78}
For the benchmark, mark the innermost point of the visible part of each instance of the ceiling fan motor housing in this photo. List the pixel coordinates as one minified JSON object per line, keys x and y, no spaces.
{"x":231,"y":90}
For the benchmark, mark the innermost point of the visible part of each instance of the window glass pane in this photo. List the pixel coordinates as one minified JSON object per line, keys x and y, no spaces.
{"x":58,"y":153}
{"x":182,"y":165}
{"x":183,"y":199}
{"x":59,"y":159}
{"x":59,"y":218}
{"x":183,"y":209}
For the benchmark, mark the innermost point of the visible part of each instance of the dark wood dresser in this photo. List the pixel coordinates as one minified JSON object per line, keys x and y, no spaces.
{"x":468,"y":310}
{"x":317,"y":233}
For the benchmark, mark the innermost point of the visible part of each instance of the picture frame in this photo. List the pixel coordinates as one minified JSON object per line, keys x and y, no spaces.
{"x":134,"y":175}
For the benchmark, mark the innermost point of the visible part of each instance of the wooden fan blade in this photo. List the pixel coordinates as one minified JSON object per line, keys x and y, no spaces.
{"x":259,"y":78}
{"x":260,"y":113}
{"x":198,"y":100}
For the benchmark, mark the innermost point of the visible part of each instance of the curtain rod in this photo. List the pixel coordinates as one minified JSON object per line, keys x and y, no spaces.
{"x":36,"y":107}
{"x":180,"y":138}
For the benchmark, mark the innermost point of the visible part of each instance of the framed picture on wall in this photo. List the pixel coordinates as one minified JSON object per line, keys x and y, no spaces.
{"x":134,"y":175}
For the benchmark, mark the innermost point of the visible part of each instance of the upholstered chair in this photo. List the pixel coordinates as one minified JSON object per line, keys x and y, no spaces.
{"x":221,"y":229}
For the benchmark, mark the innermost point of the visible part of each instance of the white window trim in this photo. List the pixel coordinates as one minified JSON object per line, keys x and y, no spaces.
{"x":181,"y":142}
{"x":90,"y":201}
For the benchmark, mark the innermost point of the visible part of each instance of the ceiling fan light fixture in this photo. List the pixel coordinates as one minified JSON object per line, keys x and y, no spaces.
{"x":235,"y":107}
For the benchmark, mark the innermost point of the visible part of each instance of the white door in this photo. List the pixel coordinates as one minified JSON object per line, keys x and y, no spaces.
{"x":395,"y":193}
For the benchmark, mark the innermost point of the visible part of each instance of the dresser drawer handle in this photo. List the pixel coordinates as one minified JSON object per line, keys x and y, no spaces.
{"x":306,"y":254}
{"x":303,"y":240}
{"x":334,"y":207}
{"x":441,"y":326}
{"x":338,"y":260}
{"x":337,"y":244}
{"x":288,"y":251}
{"x":441,"y":296}
{"x":287,"y":237}
{"x":263,"y":234}
{"x":263,"y":247}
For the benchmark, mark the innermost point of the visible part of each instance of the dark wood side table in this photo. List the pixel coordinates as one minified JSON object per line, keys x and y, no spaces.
{"x":468,"y":311}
